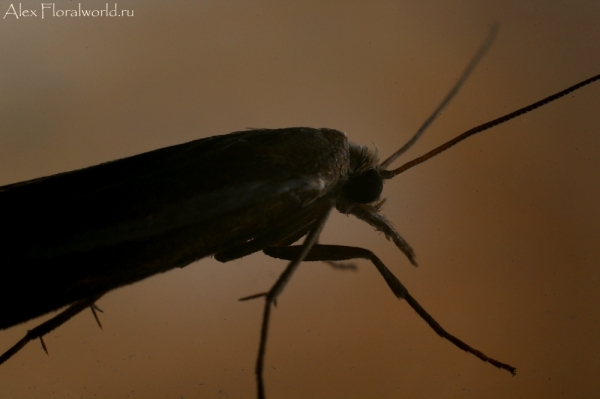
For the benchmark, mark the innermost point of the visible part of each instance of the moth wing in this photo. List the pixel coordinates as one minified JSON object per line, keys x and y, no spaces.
{"x":257,"y":172}
{"x":86,"y":232}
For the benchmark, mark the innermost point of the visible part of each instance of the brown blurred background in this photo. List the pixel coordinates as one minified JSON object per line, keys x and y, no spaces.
{"x":506,"y":225}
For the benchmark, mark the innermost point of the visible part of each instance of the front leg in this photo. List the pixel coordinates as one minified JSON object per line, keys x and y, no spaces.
{"x":340,"y":253}
{"x":276,"y":289}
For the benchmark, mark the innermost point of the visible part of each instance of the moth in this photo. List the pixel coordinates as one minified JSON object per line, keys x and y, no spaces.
{"x":70,"y":238}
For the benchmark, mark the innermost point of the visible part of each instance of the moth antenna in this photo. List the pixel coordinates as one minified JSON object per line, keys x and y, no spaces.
{"x":388,"y":174}
{"x":459,"y":83}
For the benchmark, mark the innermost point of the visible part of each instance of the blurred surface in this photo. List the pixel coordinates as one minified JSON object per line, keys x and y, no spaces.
{"x":505,"y":226}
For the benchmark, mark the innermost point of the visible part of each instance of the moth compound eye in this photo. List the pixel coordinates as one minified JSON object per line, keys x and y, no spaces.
{"x":365,"y":187}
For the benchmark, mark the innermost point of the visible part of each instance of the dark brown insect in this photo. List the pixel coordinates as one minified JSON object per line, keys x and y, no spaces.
{"x":70,"y":238}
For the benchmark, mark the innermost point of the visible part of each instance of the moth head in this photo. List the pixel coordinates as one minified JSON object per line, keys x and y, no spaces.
{"x":364,"y":187}
{"x":365,"y":180}
{"x":363,"y":183}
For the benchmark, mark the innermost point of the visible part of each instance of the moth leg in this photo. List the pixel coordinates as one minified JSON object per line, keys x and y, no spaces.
{"x":337,"y":253}
{"x":48,"y":326}
{"x":44,"y":347}
{"x":370,"y":214}
{"x":276,"y":290}
{"x":341,"y":265}
{"x":95,"y":308}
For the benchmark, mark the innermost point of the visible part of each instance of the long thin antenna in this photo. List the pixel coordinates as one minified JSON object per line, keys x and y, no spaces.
{"x":459,"y":83}
{"x":388,"y":174}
